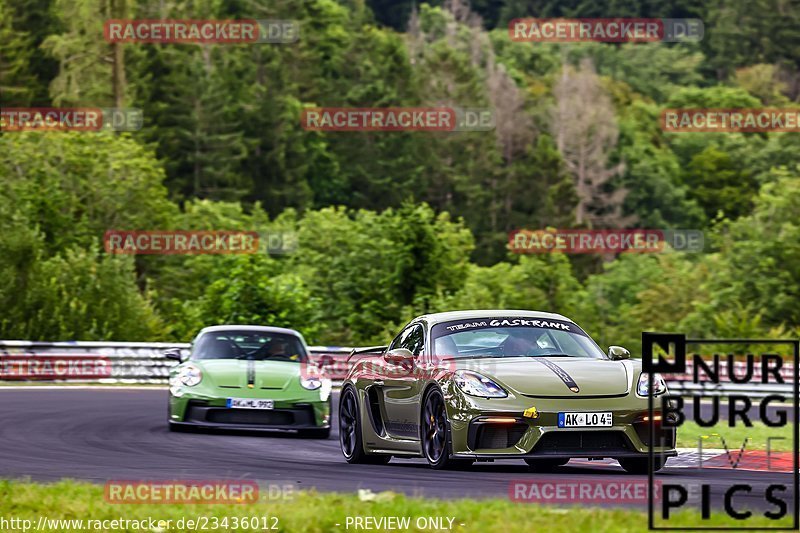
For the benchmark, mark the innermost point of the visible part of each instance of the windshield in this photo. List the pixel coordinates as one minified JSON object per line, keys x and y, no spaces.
{"x":249,"y":345}
{"x":512,"y":337}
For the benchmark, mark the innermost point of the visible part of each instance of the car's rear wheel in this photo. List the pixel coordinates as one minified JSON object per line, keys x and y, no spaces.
{"x":545,"y":465}
{"x":636,"y":465}
{"x":436,"y":442}
{"x":350,"y":438}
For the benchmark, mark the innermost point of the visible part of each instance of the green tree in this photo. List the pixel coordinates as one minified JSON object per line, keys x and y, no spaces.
{"x":26,"y":68}
{"x":759,"y":254}
{"x":91,"y":71}
{"x":248,"y":290}
{"x":78,"y":294}
{"x":94,"y":182}
{"x":197,"y":125}
{"x":656,"y":195}
{"x":651,"y":69}
{"x":16,"y":78}
{"x":745,"y":33}
{"x":763,"y":81}
{"x":719,"y":184}
{"x":371,"y":268}
{"x":714,"y":97}
{"x":545,"y":283}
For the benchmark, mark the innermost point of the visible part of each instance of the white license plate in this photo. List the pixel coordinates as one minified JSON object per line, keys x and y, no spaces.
{"x":250,"y":403}
{"x":584,"y":420}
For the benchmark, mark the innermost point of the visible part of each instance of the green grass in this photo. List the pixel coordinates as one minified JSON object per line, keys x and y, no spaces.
{"x":315,"y":512}
{"x":689,"y":432}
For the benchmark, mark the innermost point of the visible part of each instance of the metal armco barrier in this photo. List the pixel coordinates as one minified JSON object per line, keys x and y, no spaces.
{"x":126,"y":362}
{"x":332,"y":359}
{"x":116,"y":362}
{"x":684,"y":385}
{"x":144,"y":362}
{"x":753,"y":390}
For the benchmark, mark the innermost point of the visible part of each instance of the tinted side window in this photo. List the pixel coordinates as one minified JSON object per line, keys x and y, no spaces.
{"x":413,"y":340}
{"x":397,"y":340}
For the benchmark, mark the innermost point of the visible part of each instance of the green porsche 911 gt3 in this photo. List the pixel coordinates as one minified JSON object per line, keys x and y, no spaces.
{"x":249,"y":377}
{"x":484,"y":385}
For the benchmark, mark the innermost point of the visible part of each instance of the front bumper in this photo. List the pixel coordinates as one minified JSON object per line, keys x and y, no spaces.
{"x":212,"y":412}
{"x":476,"y":434}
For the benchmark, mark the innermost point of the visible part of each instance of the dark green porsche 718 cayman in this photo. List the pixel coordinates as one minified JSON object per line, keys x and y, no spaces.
{"x":485,"y":385}
{"x":249,"y":377}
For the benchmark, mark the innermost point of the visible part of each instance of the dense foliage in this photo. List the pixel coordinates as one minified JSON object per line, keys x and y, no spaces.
{"x":394,"y":224}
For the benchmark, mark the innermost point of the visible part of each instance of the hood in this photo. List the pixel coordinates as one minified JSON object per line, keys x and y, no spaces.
{"x":542,"y":376}
{"x":237,"y":374}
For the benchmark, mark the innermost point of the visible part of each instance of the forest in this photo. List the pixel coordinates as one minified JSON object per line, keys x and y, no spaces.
{"x":391,"y":225}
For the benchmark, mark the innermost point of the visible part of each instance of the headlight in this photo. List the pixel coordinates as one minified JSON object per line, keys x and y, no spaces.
{"x":190,"y":375}
{"x":311,"y":382}
{"x":659,"y":385}
{"x":475,"y":384}
{"x":317,"y":382}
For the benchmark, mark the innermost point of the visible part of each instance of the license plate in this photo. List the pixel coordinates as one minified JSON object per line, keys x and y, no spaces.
{"x":584,"y":420}
{"x":250,"y":403}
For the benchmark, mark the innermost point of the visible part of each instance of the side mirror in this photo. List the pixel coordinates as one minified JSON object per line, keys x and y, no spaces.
{"x":398,"y":355}
{"x":617,"y":353}
{"x":173,"y":353}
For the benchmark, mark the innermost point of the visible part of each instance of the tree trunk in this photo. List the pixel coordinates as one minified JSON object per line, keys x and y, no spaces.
{"x":118,"y":82}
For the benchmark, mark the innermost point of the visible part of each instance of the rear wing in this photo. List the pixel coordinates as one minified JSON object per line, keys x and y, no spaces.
{"x":370,"y":349}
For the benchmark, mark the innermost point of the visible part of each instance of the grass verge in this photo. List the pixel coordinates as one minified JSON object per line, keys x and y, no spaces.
{"x":316,"y":512}
{"x":690,"y":432}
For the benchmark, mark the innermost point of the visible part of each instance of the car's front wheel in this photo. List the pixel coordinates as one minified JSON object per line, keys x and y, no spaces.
{"x":636,"y":465}
{"x":350,"y":437}
{"x":435,"y":434}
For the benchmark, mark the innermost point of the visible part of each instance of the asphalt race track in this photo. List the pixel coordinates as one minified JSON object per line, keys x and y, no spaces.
{"x":102,"y":434}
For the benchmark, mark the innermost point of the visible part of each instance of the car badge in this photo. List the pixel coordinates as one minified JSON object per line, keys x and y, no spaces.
{"x":574,"y":389}
{"x":250,"y":386}
{"x":531,"y":412}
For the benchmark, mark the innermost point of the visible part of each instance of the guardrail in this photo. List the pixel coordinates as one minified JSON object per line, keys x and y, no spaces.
{"x":753,"y":390}
{"x":116,"y":362}
{"x":103,"y":362}
{"x":686,"y":384}
{"x":144,"y":362}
